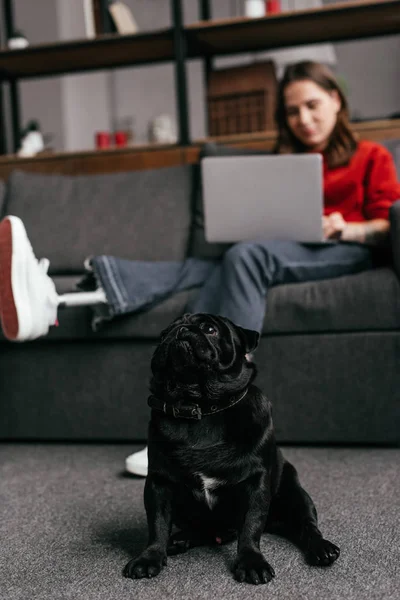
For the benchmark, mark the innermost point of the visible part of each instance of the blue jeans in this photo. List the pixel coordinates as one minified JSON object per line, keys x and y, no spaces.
{"x":235,"y":286}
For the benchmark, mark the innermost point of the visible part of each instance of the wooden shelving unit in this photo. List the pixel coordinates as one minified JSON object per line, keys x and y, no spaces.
{"x":205,"y":39}
{"x":338,"y":22}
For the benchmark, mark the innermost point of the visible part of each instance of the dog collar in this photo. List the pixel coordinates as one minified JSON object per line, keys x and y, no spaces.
{"x":192,"y":411}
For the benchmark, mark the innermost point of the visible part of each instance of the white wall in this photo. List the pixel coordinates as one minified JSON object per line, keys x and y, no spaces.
{"x":70,"y":108}
{"x":41,"y":99}
{"x":85,"y":97}
{"x":145,"y":92}
{"x":371,"y":69}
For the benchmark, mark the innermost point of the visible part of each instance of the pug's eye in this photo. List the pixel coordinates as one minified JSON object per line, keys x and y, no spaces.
{"x":209,"y":329}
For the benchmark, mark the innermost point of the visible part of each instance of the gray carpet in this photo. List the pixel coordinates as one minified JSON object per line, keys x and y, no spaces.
{"x":71,"y":520}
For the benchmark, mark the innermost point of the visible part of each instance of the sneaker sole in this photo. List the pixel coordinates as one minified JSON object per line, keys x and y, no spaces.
{"x":12,"y":288}
{"x":140,"y":471}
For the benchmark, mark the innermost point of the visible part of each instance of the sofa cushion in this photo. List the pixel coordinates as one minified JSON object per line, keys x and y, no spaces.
{"x":199,"y":247}
{"x":368,"y":301}
{"x":142,"y":215}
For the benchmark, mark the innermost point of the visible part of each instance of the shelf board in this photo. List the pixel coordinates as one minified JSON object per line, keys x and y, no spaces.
{"x":154,"y":156}
{"x":332,"y":23}
{"x":374,"y":129}
{"x":344,"y":21}
{"x":104,"y":52}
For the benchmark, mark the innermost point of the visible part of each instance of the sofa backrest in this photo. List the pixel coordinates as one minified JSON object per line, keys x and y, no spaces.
{"x":144,"y":215}
{"x":394,"y":148}
{"x":141,"y":214}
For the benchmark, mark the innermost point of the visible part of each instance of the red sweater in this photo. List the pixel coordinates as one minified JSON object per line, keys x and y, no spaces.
{"x":365,"y":188}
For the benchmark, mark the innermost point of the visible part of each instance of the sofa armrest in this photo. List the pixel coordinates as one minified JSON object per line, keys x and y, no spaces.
{"x":394,"y":218}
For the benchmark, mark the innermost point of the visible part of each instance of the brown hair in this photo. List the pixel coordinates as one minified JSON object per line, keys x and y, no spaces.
{"x":343,"y":142}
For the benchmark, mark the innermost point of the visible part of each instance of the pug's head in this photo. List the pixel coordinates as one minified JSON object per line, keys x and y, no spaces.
{"x":202,"y":355}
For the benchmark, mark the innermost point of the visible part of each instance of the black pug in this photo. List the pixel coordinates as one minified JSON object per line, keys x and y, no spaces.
{"x":215,"y":471}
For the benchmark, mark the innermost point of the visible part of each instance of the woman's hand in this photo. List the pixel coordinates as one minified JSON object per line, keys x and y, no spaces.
{"x":373,"y":233}
{"x":333,"y":226}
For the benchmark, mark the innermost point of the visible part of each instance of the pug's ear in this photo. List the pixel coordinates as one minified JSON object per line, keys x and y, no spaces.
{"x":250,"y":338}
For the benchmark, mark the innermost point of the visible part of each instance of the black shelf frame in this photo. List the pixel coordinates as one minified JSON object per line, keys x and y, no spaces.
{"x":180,"y":50}
{"x":3,"y":127}
{"x":179,"y":43}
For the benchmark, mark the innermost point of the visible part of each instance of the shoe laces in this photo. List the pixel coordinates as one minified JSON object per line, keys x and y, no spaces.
{"x":44,"y":264}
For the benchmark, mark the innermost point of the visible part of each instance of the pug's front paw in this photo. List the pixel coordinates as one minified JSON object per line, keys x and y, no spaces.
{"x":322,"y":553}
{"x":253,"y":568}
{"x":148,"y":564}
{"x":178,"y":543}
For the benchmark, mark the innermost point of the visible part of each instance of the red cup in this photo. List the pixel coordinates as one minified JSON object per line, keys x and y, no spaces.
{"x":121,"y":139}
{"x":103,"y":140}
{"x":273,"y":7}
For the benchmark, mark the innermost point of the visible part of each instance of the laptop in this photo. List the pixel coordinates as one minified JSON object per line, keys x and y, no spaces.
{"x":263,"y":197}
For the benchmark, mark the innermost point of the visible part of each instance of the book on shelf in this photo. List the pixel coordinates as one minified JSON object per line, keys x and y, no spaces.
{"x":123,"y":18}
{"x":89,"y":16}
{"x":93,"y":18}
{"x":108,"y":16}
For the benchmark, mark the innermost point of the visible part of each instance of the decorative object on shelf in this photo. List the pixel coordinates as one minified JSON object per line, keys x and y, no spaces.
{"x":120,"y":139}
{"x":273,"y":7}
{"x":162,"y":130}
{"x":103,"y":140}
{"x":125,"y":125}
{"x":17,"y":41}
{"x":123,"y":18}
{"x":242,"y":99}
{"x":31,"y":140}
{"x":254,"y":8}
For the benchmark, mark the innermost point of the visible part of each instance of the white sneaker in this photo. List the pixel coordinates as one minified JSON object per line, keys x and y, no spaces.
{"x":137,"y":463}
{"x":28,"y":298}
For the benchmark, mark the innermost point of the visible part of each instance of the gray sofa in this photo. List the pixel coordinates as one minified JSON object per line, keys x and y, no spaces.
{"x":329,"y":356}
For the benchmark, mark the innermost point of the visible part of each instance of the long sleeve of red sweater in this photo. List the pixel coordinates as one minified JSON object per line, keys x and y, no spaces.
{"x":365,"y":188}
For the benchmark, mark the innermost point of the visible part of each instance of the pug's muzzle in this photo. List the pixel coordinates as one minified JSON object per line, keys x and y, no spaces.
{"x":193,"y":345}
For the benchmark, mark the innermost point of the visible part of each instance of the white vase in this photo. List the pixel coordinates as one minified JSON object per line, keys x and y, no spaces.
{"x":254,"y":8}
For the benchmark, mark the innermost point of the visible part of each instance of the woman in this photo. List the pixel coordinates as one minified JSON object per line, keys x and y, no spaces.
{"x":360,"y":185}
